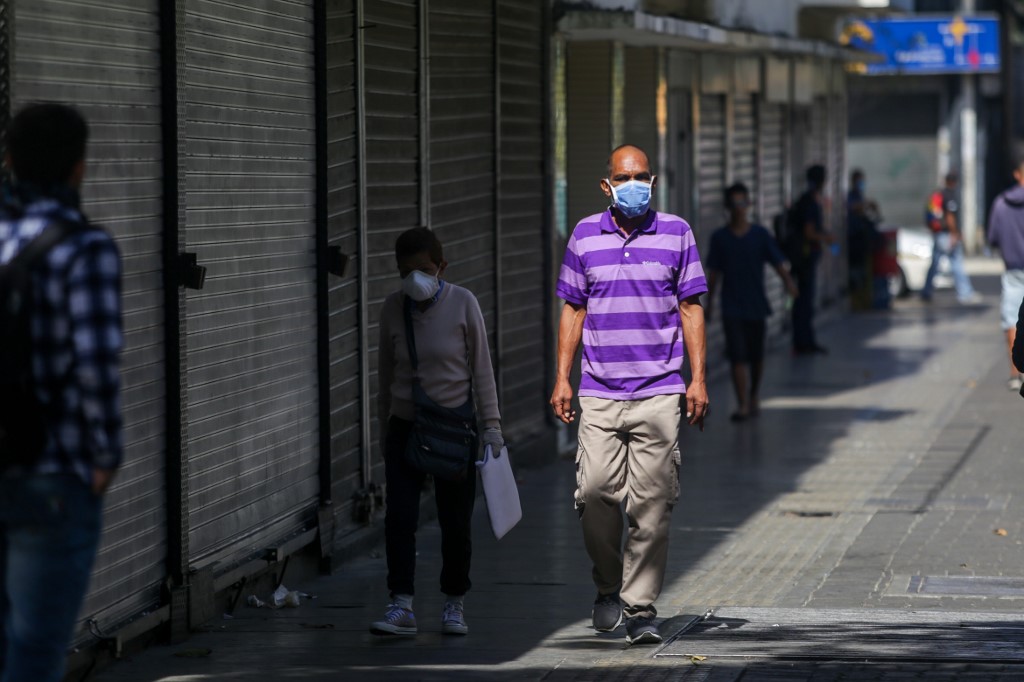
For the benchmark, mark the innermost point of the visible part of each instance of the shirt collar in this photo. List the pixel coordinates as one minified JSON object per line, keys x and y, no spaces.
{"x":650,"y":224}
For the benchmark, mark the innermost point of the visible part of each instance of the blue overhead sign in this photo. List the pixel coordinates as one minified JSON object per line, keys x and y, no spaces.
{"x":926,"y":45}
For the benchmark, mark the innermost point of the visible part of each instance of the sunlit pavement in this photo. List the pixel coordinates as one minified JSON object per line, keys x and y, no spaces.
{"x":876,"y":494}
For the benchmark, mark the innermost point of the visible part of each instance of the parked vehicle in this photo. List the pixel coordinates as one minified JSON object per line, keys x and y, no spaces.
{"x":914,"y":255}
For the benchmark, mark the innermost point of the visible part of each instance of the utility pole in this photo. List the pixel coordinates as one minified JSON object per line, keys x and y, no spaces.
{"x":968,"y":151}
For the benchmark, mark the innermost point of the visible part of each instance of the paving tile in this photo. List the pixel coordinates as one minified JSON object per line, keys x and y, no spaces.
{"x":896,"y":456}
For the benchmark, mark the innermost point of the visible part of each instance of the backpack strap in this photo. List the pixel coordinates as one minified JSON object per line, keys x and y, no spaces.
{"x":55,"y":232}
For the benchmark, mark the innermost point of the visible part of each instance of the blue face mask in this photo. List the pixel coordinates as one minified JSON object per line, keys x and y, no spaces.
{"x":633,"y":198}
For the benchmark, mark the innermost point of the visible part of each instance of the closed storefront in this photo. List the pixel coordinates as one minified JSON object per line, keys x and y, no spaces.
{"x":269,"y":149}
{"x":745,"y":123}
{"x":104,"y":59}
{"x":523,"y":332}
{"x":343,"y":219}
{"x":462,"y":144}
{"x":744,"y":142}
{"x":711,"y":165}
{"x":771,"y":197}
{"x":712,"y":160}
{"x":589,"y":133}
{"x":391,"y":85}
{"x":252,"y":361}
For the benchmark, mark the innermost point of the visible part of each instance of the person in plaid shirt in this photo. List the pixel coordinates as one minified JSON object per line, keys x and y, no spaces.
{"x":50,"y":512}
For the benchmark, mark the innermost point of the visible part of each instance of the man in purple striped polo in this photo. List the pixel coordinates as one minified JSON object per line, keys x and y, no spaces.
{"x":631,"y":281}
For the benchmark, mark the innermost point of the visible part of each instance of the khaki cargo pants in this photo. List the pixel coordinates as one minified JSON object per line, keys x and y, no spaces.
{"x":628,"y":450}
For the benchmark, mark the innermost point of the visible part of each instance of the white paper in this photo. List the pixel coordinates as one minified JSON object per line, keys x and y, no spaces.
{"x":500,"y":491}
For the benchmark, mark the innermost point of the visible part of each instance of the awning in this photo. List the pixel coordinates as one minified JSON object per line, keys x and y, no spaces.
{"x":639,"y":28}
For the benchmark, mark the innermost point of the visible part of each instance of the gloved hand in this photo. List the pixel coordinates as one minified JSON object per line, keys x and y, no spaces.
{"x":492,"y":437}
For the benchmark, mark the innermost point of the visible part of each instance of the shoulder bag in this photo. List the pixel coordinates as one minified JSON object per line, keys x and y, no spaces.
{"x":442,"y":441}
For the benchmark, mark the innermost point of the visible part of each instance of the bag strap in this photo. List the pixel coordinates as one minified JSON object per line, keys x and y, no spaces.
{"x":410,"y":337}
{"x":54,"y":233}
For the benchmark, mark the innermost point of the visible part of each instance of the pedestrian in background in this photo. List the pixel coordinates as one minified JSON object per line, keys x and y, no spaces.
{"x":942,"y":217}
{"x":806,"y":238}
{"x":862,"y":240}
{"x":50,"y":500}
{"x":631,"y":281}
{"x":1006,"y":232}
{"x":451,"y":364}
{"x":739,"y":251}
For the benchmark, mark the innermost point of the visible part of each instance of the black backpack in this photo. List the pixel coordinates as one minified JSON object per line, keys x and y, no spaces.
{"x":22,"y":416}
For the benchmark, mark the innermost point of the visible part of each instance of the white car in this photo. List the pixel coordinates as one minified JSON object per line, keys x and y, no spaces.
{"x":914,"y":254}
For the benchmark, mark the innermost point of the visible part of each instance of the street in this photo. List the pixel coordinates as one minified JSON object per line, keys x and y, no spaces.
{"x":870,"y":514}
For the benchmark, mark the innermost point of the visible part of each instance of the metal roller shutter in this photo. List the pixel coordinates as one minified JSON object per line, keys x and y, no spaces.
{"x":711,"y":159}
{"x":252,"y":362}
{"x":104,"y":59}
{"x":712,"y":162}
{"x":830,"y":117}
{"x":817,"y":133}
{"x":640,"y":91}
{"x":343,"y":231}
{"x":521,"y":216}
{"x":837,"y":154}
{"x":801,"y":147}
{"x":772,"y":199}
{"x":817,"y":153}
{"x":773,"y":160}
{"x":588,"y":114}
{"x":744,"y":142}
{"x":462,"y":144}
{"x":392,"y":130}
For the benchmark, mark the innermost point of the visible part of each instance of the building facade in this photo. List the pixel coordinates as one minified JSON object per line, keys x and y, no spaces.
{"x":283,"y":145}
{"x":711,"y":105}
{"x":255,"y":161}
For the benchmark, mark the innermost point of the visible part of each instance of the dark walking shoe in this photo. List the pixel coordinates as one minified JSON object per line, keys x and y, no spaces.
{"x":607,"y":614}
{"x":397,"y":621}
{"x":453,"y":621}
{"x":642,"y":630}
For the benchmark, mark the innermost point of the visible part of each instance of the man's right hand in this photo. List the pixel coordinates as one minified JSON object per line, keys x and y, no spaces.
{"x":561,"y":401}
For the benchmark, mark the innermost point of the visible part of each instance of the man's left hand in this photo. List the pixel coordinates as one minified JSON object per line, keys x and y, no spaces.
{"x":696,"y":404}
{"x":101,"y":480}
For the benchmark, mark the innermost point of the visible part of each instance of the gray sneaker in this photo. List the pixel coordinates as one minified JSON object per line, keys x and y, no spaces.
{"x":607,"y":613}
{"x":453,"y":621}
{"x":642,"y":630}
{"x":397,"y":621}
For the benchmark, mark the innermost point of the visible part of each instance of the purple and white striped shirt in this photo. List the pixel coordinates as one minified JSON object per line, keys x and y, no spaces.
{"x":631,"y":287}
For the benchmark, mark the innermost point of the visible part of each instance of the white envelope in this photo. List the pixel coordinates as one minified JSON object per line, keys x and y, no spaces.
{"x":500,"y":491}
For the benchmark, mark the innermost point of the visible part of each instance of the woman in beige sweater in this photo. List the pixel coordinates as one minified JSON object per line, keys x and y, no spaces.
{"x":450,"y":342}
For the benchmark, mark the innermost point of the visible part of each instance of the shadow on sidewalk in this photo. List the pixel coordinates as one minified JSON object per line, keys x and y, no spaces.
{"x":529,"y":609}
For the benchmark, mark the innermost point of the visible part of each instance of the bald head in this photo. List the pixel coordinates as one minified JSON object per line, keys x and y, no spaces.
{"x":628,"y":159}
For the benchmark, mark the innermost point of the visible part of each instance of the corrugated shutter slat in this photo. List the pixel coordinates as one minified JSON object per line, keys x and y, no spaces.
{"x":392,"y":157}
{"x":104,"y":58}
{"x":252,"y":372}
{"x":343,"y":232}
{"x":521,"y":214}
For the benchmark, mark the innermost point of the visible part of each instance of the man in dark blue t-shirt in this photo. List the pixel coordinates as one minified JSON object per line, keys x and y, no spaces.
{"x":738,"y":254}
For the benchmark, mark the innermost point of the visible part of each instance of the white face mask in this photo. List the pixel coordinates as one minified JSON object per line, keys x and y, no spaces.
{"x":419,"y":286}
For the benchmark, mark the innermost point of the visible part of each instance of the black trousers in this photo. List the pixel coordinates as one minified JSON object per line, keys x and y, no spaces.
{"x":803,"y":307}
{"x":454,"y":513}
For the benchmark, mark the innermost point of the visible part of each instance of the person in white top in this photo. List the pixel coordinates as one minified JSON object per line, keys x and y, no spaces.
{"x":452,"y":366}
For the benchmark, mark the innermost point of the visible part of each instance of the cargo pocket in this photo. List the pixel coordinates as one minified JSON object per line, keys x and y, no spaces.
{"x":676,"y":464}
{"x":578,"y":499}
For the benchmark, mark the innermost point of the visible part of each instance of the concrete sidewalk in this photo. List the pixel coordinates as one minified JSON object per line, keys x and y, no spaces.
{"x":876,"y":478}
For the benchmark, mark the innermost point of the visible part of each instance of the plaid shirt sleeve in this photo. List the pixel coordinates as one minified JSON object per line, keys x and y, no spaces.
{"x":94,"y":308}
